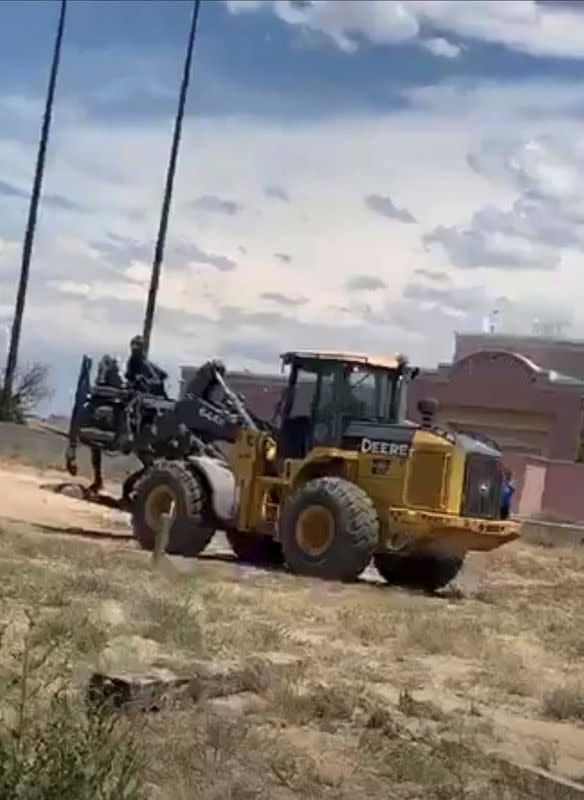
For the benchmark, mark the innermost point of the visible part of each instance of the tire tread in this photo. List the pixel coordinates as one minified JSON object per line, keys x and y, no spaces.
{"x":195,"y":508}
{"x":359,"y":523}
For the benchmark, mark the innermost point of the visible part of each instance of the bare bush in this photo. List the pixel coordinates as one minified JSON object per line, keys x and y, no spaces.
{"x":31,"y":387}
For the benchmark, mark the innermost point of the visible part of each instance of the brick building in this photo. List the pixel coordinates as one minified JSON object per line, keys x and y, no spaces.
{"x":526,"y":408}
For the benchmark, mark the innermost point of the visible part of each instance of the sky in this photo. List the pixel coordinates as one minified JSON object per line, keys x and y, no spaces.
{"x":368,"y":175}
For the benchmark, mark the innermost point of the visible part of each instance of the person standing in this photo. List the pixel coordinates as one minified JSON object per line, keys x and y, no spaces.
{"x":507,"y":492}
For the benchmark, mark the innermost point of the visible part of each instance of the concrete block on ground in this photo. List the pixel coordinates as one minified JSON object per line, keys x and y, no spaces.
{"x":161,"y":688}
{"x":130,"y":691}
{"x":552,"y":534}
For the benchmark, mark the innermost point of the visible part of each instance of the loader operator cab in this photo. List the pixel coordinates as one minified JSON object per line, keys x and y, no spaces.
{"x":326,"y":392}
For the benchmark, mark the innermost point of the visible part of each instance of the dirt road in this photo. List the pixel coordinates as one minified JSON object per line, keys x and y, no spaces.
{"x":23,"y":499}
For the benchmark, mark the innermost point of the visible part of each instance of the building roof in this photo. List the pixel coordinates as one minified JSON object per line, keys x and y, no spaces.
{"x":560,"y":360}
{"x":559,"y":377}
{"x":382,"y":362}
{"x":552,"y":375}
{"x":531,"y":338}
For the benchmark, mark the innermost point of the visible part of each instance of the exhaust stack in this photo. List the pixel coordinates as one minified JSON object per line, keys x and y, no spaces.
{"x":428,"y":408}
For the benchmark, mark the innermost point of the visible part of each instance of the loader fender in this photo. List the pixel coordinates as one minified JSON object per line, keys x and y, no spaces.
{"x":221,"y":484}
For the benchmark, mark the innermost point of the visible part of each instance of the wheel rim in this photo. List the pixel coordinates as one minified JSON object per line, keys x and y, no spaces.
{"x":315,"y":530}
{"x":160,"y":501}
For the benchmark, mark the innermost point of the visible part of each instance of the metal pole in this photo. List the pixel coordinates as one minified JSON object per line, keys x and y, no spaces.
{"x":12,"y":359}
{"x":161,"y":239}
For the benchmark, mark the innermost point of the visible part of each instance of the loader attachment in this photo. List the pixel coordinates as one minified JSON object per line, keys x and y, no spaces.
{"x":81,"y":393}
{"x":425,"y":530}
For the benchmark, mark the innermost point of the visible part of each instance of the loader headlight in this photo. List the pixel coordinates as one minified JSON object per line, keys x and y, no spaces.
{"x":270,"y":450}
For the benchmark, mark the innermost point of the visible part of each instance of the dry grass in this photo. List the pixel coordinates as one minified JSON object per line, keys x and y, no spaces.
{"x":303,"y":703}
{"x":545,"y":755}
{"x":565,"y":702}
{"x":442,"y":633}
{"x":385,"y":694}
{"x":173,"y":620}
{"x":507,"y":669}
{"x":53,"y":743}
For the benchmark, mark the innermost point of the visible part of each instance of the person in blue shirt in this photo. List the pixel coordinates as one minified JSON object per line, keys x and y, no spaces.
{"x":507,"y":491}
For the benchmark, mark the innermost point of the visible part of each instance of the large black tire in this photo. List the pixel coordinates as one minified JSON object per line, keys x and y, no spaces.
{"x":190,"y":532}
{"x":255,"y":548}
{"x":342,"y":546}
{"x":425,"y":571}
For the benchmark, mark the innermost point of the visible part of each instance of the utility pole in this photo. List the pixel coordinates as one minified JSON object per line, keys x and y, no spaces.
{"x":12,"y":359}
{"x":161,"y":238}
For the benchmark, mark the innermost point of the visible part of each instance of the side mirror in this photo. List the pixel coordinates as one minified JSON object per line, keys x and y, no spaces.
{"x":428,"y":408}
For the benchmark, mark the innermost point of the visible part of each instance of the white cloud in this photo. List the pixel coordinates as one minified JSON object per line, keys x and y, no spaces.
{"x":545,"y":218}
{"x":523,"y":25}
{"x":545,"y":167}
{"x":8,"y":252}
{"x":542,"y":102}
{"x":239,"y":6}
{"x":476,"y":247}
{"x":439,"y":46}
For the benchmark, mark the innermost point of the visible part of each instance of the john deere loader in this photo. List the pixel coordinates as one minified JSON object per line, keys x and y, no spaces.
{"x":338,"y":478}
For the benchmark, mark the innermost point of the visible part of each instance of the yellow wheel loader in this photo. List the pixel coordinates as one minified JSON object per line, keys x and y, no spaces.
{"x":341,"y":477}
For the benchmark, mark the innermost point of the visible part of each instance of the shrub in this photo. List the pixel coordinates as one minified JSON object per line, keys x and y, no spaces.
{"x":54,"y":743}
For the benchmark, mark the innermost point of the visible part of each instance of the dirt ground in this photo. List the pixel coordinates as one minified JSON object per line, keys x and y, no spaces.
{"x":348,"y":691}
{"x":25,"y":498}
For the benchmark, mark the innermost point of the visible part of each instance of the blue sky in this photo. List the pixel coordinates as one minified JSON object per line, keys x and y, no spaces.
{"x":367,"y":174}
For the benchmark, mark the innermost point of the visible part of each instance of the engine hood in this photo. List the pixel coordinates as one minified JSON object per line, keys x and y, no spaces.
{"x":396,"y":440}
{"x":379,"y":439}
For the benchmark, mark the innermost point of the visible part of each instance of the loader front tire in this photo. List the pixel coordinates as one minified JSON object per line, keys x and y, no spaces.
{"x":163,"y":485}
{"x":427,"y":572}
{"x":329,"y":529}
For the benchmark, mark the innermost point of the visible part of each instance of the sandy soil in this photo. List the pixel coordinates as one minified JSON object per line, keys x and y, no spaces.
{"x":498,"y":670}
{"x":23,"y":499}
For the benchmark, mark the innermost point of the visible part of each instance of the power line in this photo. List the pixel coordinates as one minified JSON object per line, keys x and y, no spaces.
{"x":161,"y":239}
{"x":12,"y":359}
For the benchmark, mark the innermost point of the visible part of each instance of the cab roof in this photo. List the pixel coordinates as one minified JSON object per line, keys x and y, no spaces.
{"x":396,"y":361}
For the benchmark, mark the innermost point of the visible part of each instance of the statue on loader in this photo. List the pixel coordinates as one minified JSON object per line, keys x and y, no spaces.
{"x":135,"y":415}
{"x":113,"y":417}
{"x":141,"y":373}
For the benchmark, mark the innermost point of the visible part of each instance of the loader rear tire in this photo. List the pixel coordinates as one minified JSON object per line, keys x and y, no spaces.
{"x":424,"y":571}
{"x":329,"y":529}
{"x":255,"y":548}
{"x":164,"y":483}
